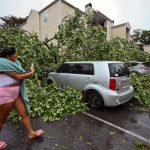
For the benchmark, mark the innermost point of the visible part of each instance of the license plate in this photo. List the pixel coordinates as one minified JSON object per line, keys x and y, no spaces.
{"x":125,"y":83}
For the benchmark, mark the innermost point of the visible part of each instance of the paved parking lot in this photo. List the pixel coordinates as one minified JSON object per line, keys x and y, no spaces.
{"x":84,"y":131}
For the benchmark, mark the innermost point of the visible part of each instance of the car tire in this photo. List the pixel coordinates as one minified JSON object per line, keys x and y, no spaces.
{"x":94,"y":99}
{"x":49,"y":81}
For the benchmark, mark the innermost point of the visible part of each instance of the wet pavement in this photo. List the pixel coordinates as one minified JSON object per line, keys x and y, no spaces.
{"x":81,"y":132}
{"x":123,"y":116}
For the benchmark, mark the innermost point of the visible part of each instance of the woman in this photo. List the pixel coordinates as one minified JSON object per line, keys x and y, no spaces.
{"x":13,"y":91}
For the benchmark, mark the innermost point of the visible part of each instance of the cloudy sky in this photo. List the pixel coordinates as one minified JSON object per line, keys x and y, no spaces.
{"x":136,"y":12}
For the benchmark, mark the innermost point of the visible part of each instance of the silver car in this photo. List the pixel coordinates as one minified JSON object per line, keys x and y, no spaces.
{"x":101,"y":82}
{"x":139,"y":67}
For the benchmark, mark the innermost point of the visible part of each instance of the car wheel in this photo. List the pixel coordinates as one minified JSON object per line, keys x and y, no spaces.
{"x":94,"y":99}
{"x":49,"y":82}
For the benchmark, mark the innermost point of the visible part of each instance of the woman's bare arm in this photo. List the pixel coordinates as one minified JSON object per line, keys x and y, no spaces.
{"x":20,"y":76}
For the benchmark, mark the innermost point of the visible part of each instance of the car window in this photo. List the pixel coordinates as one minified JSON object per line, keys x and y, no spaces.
{"x":66,"y":68}
{"x":84,"y":69}
{"x":118,"y":69}
{"x":77,"y":68}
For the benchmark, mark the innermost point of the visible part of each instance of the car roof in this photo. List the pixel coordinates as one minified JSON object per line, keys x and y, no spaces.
{"x":95,"y":62}
{"x":136,"y":61}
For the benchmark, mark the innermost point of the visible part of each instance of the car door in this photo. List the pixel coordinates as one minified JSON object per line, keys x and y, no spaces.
{"x":82,"y":76}
{"x":63,"y":74}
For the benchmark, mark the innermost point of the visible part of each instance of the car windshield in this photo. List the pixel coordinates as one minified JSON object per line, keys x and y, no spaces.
{"x":118,"y":69}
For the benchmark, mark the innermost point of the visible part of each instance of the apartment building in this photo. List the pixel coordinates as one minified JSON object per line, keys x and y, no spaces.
{"x":46,"y":22}
{"x":146,"y":48}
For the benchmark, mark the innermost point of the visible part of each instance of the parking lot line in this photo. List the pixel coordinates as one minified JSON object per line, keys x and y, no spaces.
{"x":117,"y":127}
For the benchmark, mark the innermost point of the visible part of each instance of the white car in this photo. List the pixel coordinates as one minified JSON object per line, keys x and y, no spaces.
{"x":101,"y":82}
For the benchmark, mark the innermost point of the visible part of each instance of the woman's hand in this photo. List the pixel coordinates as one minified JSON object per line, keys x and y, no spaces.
{"x":32,"y":70}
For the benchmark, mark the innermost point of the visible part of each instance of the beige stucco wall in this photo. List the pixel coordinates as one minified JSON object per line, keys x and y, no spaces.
{"x":147,"y":48}
{"x":122,"y":32}
{"x":50,"y":26}
{"x":108,"y":25}
{"x":119,"y":31}
{"x":66,"y":10}
{"x":32,"y":24}
{"x":55,"y":12}
{"x":24,"y":26}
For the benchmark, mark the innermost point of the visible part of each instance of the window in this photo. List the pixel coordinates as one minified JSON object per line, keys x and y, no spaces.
{"x":118,"y":70}
{"x":76,"y":68}
{"x":66,"y":68}
{"x":84,"y":69}
{"x":46,"y":37}
{"x":46,"y":17}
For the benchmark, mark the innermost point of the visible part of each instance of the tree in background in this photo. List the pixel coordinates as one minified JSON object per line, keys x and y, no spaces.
{"x":145,"y":37}
{"x":142,"y":36}
{"x":11,"y":22}
{"x":137,"y":34}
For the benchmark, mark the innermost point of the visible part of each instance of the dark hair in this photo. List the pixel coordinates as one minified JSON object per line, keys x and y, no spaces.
{"x":4,"y":52}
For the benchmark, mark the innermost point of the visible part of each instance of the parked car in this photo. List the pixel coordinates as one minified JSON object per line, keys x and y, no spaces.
{"x":101,"y":82}
{"x":139,"y":67}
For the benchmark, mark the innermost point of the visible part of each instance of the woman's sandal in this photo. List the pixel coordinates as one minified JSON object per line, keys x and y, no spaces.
{"x":2,"y":145}
{"x":37,"y":134}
